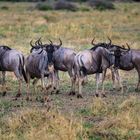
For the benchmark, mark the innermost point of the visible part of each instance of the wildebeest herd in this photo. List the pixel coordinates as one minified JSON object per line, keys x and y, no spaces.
{"x":46,"y":60}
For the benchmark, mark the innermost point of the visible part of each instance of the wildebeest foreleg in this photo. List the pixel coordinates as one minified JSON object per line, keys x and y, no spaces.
{"x":138,"y":84}
{"x":3,"y":83}
{"x":43,"y":83}
{"x":73,"y":82}
{"x":19,"y":88}
{"x":80,"y":80}
{"x":119,"y":80}
{"x":97,"y":84}
{"x":102,"y":83}
{"x":34,"y":84}
{"x":28,"y":85}
{"x":57,"y":81}
{"x":113,"y":77}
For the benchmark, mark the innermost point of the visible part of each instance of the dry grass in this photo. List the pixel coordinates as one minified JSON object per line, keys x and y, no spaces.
{"x":31,"y":124}
{"x":118,"y":122}
{"x":112,"y":118}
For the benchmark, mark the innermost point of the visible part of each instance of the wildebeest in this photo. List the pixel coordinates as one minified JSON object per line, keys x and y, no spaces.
{"x":114,"y":72}
{"x":12,"y":60}
{"x":95,"y":60}
{"x":64,"y":61}
{"x":127,"y":59}
{"x":39,"y":64}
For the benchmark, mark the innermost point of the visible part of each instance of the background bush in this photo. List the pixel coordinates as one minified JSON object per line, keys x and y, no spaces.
{"x":101,"y":4}
{"x":65,"y":5}
{"x":44,"y":6}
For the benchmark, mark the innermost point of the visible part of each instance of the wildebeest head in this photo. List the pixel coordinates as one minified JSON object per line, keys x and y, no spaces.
{"x":55,"y":45}
{"x":118,"y":52}
{"x":38,"y":46}
{"x":50,"y":49}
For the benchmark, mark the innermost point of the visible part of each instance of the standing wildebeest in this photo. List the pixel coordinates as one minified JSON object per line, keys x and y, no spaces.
{"x":114,"y":72}
{"x":64,"y":61}
{"x":12,"y":60}
{"x":96,"y":60}
{"x":127,"y":59}
{"x":39,"y":64}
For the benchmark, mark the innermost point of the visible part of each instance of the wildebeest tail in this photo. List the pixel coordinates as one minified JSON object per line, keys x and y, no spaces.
{"x":21,"y":59}
{"x":82,"y":67}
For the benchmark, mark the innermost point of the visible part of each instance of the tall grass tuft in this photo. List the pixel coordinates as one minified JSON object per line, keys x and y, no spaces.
{"x":34,"y":124}
{"x":121,"y":121}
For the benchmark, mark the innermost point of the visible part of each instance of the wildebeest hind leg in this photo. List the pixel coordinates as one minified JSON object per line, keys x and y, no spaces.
{"x":103,"y":78}
{"x":138,"y":84}
{"x":113,"y":77}
{"x":3,"y":83}
{"x":34,"y":85}
{"x":80,"y":80}
{"x":97,"y":85}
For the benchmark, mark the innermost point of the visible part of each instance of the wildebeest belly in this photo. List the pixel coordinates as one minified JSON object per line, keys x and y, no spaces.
{"x":62,"y":68}
{"x":92,"y":70}
{"x":126,"y":67}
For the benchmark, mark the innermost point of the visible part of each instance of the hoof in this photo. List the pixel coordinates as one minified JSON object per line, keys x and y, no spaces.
{"x":72,"y":93}
{"x":96,"y":95}
{"x":42,"y":100}
{"x":46,"y":98}
{"x":28,"y":99}
{"x":136,"y":90}
{"x":119,"y":89}
{"x":57,"y":91}
{"x":114,"y":88}
{"x":48,"y":87}
{"x":15,"y":98}
{"x":79,"y":96}
{"x":52,"y":92}
{"x":103,"y":95}
{"x":18,"y":95}
{"x":4,"y":93}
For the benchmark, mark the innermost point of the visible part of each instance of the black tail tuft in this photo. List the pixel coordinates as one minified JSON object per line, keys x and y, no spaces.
{"x":24,"y":75}
{"x":84,"y":70}
{"x":22,"y":68}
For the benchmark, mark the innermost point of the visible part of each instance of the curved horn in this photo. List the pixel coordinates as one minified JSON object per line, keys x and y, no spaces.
{"x":31,"y":43}
{"x":60,"y":42}
{"x":50,"y":41}
{"x":110,"y":41}
{"x":93,"y":41}
{"x":39,"y":41}
{"x":123,"y":46}
{"x":128,"y":46}
{"x":36,"y":43}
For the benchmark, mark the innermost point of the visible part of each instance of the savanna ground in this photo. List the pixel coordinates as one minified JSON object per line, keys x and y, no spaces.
{"x":64,"y":116}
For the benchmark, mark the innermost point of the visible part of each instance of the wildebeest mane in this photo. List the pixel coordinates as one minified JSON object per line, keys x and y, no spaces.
{"x":6,"y":48}
{"x":105,"y":45}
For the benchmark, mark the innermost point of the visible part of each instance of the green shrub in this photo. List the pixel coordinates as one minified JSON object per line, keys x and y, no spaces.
{"x":101,"y":4}
{"x":4,"y":8}
{"x":65,"y":5}
{"x":43,"y":6}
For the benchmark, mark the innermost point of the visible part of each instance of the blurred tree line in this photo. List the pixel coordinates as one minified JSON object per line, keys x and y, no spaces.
{"x":65,"y":0}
